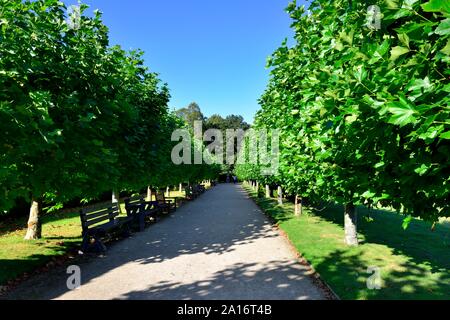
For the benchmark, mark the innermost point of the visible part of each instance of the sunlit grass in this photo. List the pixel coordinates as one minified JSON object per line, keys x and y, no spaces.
{"x":17,"y":256}
{"x":414,"y":264}
{"x":60,"y":233}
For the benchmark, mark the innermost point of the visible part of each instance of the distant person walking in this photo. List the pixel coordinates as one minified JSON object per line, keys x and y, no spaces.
{"x":235,"y":179}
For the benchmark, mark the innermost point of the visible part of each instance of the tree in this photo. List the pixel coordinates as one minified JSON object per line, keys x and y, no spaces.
{"x":215,"y":122}
{"x":235,"y":122}
{"x":364,"y":112}
{"x":191,"y":113}
{"x":69,"y":106}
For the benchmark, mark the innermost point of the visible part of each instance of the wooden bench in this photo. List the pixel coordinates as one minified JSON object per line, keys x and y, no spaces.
{"x":166,"y":204}
{"x":192,"y":192}
{"x":189,"y":193}
{"x":139,"y":210}
{"x":100,"y":221}
{"x":201,"y":188}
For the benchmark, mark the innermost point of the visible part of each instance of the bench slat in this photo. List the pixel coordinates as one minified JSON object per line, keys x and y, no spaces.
{"x":101,"y":219}
{"x":98,"y":213}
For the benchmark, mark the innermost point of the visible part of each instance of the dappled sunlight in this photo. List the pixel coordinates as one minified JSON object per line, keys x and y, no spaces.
{"x":270,"y":281}
{"x":219,"y":246}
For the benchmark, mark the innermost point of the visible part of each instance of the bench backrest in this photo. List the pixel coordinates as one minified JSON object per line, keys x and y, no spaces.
{"x":96,"y":215}
{"x":140,"y":199}
{"x":160,"y":197}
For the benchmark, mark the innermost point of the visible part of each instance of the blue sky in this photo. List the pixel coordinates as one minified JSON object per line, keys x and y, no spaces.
{"x":212,"y":52}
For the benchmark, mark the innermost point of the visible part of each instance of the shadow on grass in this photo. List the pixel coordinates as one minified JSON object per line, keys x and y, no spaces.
{"x":35,"y":263}
{"x":15,"y":224}
{"x":418,"y":242}
{"x":405,"y":282}
{"x":423,"y":273}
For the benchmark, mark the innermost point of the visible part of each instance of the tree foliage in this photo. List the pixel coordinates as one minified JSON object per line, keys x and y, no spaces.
{"x":79,"y":117}
{"x":364,"y":113}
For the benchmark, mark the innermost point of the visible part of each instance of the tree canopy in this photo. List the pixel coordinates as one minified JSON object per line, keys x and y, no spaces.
{"x":364,"y":112}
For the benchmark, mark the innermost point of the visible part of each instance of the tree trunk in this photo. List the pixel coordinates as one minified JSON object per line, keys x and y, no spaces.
{"x":34,"y":231}
{"x":350,"y":225}
{"x":115,"y":199}
{"x":181,"y":187}
{"x":168,"y":192}
{"x":298,"y":205}
{"x":257,"y":187}
{"x":280,"y":195}
{"x":267,"y":191}
{"x":149,"y":193}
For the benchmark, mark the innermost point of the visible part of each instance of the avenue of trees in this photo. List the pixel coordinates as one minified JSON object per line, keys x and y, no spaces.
{"x":364,"y":112}
{"x":79,"y":117}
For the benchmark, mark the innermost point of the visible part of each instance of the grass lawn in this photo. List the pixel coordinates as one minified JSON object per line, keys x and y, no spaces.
{"x":414,"y":264}
{"x":60,"y":233}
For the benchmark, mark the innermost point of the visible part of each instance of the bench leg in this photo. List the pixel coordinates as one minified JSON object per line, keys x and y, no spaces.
{"x":99,"y":247}
{"x":85,"y":243}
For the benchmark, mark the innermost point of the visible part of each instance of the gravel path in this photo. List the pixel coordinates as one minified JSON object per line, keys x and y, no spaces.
{"x":219,"y":246}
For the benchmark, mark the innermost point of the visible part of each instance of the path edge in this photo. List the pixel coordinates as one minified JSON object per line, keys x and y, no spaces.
{"x":313,"y":274}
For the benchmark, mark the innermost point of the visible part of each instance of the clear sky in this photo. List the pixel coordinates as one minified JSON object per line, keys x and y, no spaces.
{"x":212,"y":52}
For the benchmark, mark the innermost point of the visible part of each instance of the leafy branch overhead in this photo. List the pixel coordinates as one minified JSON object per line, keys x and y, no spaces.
{"x":364,"y":113}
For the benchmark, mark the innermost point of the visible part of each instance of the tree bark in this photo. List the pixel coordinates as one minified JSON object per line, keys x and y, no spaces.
{"x":149,"y":193}
{"x":115,"y":199}
{"x":168,"y":192}
{"x":350,"y":225}
{"x":280,"y":195}
{"x":181,"y":187}
{"x":257,"y":187}
{"x":34,"y":231}
{"x":298,"y":205}
{"x":267,"y":191}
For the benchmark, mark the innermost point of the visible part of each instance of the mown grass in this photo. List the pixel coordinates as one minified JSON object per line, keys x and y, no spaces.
{"x":414,"y":263}
{"x":60,"y":233}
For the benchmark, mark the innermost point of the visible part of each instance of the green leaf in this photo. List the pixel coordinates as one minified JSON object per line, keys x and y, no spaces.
{"x":443,"y":28}
{"x":403,"y":113}
{"x":419,"y":84}
{"x":404,"y":39}
{"x":406,"y":222}
{"x":436,"y":6}
{"x":351,"y":119}
{"x":368,"y":194}
{"x":422,"y":170}
{"x":445,"y":135}
{"x":379,"y":165}
{"x":398,"y":51}
{"x":408,"y":4}
{"x":402,"y":13}
{"x":446,"y":49}
{"x":360,"y":74}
